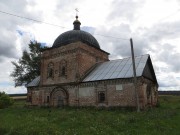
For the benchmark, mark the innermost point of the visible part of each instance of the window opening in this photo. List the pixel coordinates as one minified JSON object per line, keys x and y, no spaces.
{"x":29,"y":99}
{"x":50,"y":70}
{"x":63,"y":73}
{"x":63,"y":68}
{"x":47,"y":99}
{"x":101,"y":97}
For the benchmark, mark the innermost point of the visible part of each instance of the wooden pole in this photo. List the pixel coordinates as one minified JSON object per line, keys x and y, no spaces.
{"x":135,"y":79}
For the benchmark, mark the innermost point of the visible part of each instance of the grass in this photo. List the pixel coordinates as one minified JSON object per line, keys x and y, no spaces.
{"x":20,"y":120}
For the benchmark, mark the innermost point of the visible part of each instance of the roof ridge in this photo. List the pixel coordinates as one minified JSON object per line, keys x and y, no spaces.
{"x":126,"y":58}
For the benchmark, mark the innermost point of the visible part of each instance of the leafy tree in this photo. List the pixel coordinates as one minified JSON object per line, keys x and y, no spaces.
{"x":5,"y":100}
{"x":28,"y":66}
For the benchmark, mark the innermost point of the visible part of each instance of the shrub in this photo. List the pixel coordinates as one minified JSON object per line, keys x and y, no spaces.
{"x":5,"y":100}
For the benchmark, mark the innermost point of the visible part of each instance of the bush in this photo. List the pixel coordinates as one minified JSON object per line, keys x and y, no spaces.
{"x":5,"y":100}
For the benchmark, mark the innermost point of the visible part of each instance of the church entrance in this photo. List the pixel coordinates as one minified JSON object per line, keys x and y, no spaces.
{"x":59,"y":97}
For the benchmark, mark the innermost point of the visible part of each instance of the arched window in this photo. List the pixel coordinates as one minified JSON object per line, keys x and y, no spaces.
{"x":50,"y":70}
{"x":63,"y":68}
{"x":63,"y":71}
{"x":101,"y":96}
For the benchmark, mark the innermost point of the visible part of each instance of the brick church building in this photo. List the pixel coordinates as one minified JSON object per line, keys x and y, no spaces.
{"x":75,"y":71}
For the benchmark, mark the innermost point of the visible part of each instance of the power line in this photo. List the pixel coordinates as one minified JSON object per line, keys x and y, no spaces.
{"x":169,"y":15}
{"x":31,"y":19}
{"x":38,"y":21}
{"x":111,"y":37}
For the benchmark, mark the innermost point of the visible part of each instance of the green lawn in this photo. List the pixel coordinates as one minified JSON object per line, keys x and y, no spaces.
{"x":163,"y":120}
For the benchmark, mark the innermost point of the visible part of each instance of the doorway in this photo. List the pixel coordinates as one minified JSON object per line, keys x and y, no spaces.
{"x":59,"y":97}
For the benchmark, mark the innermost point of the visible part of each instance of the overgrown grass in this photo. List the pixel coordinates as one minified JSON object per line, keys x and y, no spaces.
{"x":20,"y":120}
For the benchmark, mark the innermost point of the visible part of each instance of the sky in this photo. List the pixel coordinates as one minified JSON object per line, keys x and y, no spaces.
{"x":154,"y":26}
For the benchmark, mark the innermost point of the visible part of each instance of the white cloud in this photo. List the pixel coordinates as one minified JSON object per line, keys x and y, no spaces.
{"x":12,"y":90}
{"x":6,"y":82}
{"x":154,"y":26}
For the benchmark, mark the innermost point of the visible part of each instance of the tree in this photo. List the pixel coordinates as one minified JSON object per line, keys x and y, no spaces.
{"x":28,"y":66}
{"x":5,"y":100}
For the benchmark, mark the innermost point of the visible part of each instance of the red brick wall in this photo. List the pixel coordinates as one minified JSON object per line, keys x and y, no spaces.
{"x":124,"y":97}
{"x":79,"y":57}
{"x":114,"y":97}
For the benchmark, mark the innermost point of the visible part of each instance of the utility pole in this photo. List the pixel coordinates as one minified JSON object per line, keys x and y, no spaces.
{"x":135,"y":79}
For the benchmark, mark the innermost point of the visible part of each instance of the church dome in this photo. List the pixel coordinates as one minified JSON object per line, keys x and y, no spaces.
{"x":75,"y":35}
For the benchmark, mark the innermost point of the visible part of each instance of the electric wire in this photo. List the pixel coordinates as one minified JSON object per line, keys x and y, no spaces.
{"x":38,"y":21}
{"x":111,"y":37}
{"x":22,"y":17}
{"x":168,"y":16}
{"x":55,"y":25}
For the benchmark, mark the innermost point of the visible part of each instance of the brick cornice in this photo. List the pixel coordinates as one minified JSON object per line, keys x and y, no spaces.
{"x":60,"y":53}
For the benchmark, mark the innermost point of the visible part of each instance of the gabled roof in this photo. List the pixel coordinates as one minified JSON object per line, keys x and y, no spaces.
{"x":122,"y":68}
{"x":34,"y":82}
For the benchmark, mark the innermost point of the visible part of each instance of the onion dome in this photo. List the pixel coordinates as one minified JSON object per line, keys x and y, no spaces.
{"x":75,"y":35}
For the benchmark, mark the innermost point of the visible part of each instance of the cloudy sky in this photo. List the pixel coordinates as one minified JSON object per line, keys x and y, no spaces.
{"x":154,"y":26}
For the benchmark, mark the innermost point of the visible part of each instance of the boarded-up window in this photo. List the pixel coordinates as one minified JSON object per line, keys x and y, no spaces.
{"x":86,"y":91}
{"x":119,"y":87}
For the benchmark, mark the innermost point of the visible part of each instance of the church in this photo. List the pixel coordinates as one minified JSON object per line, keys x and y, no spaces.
{"x":75,"y":71}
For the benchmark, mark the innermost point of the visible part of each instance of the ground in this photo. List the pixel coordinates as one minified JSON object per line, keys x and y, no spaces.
{"x":20,"y":120}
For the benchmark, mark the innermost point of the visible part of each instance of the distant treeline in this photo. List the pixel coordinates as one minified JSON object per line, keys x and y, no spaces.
{"x":177,"y":93}
{"x":17,"y":95}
